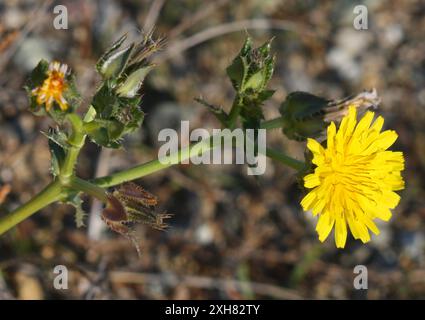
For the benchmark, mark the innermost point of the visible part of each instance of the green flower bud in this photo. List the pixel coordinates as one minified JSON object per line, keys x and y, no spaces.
{"x":251,"y":70}
{"x":115,"y":64}
{"x":305,"y":115}
{"x":116,"y":104}
{"x":130,"y":86}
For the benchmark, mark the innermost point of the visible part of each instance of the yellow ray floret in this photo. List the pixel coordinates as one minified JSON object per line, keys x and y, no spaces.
{"x":53,"y":87}
{"x":354,"y":179}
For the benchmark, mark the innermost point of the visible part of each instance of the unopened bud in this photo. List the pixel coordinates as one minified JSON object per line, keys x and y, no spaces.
{"x":307,"y":116}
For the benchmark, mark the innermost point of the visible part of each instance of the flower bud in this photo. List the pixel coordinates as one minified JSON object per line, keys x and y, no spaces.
{"x":305,"y":115}
{"x":130,"y":86}
{"x":251,"y":70}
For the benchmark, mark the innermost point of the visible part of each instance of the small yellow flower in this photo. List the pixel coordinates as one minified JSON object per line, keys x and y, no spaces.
{"x":354,"y":179}
{"x":53,"y":87}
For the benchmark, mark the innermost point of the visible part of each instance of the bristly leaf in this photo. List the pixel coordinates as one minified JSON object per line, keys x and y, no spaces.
{"x":106,"y":133}
{"x":219,"y":113}
{"x":76,"y":201}
{"x":237,"y":72}
{"x":57,"y":146}
{"x":105,"y":102}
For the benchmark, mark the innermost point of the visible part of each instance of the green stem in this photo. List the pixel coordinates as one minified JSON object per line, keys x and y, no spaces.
{"x":49,"y":195}
{"x":234,"y":112}
{"x":272,"y":124}
{"x":67,"y":169}
{"x":76,"y":141}
{"x":155,"y":165}
{"x":284,"y":159}
{"x":89,"y":188}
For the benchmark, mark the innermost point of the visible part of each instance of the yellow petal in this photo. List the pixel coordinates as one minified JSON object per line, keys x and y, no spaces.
{"x":308,"y":200}
{"x":340,"y":232}
{"x":386,"y":139}
{"x":311,"y":181}
{"x":324,"y":226}
{"x":314,"y":146}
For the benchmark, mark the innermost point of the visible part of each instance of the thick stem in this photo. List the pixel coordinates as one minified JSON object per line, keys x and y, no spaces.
{"x":49,"y":195}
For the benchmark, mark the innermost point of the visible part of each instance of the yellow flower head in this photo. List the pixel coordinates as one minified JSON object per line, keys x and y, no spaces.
{"x":53,"y":87}
{"x":354,"y":178}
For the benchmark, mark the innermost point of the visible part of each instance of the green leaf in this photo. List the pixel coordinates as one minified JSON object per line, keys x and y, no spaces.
{"x":105,"y":133}
{"x":105,"y":102}
{"x":136,"y":120}
{"x":57,"y":146}
{"x":265,"y":95}
{"x":237,"y":72}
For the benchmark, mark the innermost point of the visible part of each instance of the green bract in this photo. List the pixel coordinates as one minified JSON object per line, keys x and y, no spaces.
{"x":303,"y":115}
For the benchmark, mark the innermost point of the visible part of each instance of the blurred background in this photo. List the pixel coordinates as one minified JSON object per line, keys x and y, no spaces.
{"x":232,"y":236}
